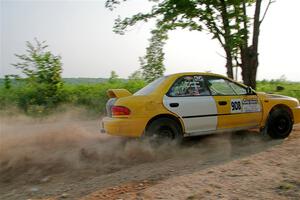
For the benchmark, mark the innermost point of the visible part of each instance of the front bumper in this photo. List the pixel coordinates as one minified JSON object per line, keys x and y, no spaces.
{"x":296,"y":113}
{"x":124,"y":126}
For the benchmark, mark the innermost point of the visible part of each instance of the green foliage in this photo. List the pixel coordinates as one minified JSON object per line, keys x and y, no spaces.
{"x":43,"y":80}
{"x":8,"y":98}
{"x":226,"y":21}
{"x":113,"y":77}
{"x":152,"y":63}
{"x":83,"y":80}
{"x":136,"y":75}
{"x":91,"y":96}
{"x":42,"y":89}
{"x":291,"y":89}
{"x":7,"y":82}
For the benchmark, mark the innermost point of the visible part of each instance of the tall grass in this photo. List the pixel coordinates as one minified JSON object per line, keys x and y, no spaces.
{"x":92,"y":96}
{"x":291,"y":89}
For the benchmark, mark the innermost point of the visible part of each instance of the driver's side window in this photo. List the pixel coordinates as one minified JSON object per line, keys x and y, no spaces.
{"x":189,"y":86}
{"x":220,"y":86}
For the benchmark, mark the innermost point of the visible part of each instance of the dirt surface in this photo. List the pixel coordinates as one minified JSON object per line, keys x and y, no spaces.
{"x":67,"y":158}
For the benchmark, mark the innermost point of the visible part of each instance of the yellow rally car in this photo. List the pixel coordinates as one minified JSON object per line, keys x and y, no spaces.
{"x":190,"y":104}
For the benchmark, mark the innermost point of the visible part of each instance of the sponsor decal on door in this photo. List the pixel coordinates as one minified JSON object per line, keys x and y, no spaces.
{"x":236,"y":105}
{"x":245,"y":105}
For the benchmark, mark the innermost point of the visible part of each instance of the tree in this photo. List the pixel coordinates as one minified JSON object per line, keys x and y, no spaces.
{"x":136,"y":75}
{"x":7,"y":82}
{"x":42,"y":72}
{"x":113,"y":77}
{"x":249,"y":52}
{"x":152,"y":63}
{"x":226,"y":20}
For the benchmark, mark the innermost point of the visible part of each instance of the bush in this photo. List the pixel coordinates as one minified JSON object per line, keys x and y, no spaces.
{"x":92,"y":96}
{"x":290,"y":88}
{"x":41,"y":89}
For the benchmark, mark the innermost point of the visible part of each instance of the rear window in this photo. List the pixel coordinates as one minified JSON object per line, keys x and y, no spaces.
{"x":150,"y":87}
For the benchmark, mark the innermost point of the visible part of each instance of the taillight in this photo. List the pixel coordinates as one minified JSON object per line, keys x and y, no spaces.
{"x":120,"y":110}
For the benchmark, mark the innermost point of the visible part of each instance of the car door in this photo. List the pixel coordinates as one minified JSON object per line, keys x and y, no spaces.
{"x":190,"y":99}
{"x":236,"y":109}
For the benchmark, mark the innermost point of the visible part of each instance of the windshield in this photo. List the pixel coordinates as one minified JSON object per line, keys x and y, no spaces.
{"x":150,"y":87}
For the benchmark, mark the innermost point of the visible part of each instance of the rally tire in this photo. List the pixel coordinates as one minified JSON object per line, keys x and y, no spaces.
{"x":164,"y":130}
{"x":280,"y":124}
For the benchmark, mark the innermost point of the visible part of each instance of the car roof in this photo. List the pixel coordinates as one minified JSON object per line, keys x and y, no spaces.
{"x":177,"y":75}
{"x":196,"y":73}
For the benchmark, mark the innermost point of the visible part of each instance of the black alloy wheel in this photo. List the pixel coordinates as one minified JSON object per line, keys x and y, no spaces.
{"x":280,"y":124}
{"x":164,"y":130}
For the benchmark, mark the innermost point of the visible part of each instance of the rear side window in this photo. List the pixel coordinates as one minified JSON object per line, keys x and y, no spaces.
{"x":189,"y":86}
{"x":150,"y":87}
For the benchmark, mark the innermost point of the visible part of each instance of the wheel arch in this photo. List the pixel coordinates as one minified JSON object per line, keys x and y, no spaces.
{"x":170,"y":116}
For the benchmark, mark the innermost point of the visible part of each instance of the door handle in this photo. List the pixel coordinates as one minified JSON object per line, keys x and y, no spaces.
{"x":174,"y":105}
{"x":222,"y":103}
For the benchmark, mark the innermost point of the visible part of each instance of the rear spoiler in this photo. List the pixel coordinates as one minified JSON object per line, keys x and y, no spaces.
{"x":118,"y":93}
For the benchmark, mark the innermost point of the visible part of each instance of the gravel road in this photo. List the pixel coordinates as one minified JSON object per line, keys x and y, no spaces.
{"x":66,"y":158}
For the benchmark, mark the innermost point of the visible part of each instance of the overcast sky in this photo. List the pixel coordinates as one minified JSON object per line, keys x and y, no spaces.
{"x":81,"y":32}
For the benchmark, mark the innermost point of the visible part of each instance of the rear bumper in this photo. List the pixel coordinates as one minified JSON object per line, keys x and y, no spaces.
{"x":296,"y":113}
{"x":124,"y":126}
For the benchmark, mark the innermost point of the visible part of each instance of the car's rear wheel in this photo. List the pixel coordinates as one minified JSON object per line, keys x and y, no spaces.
{"x":280,"y":124}
{"x":164,"y":130}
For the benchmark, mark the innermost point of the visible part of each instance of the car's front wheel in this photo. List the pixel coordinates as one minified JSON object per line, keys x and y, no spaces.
{"x":280,"y":124}
{"x":164,"y":130}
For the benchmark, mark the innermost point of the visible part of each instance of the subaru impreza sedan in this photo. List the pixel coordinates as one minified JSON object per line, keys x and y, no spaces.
{"x":191,"y":104}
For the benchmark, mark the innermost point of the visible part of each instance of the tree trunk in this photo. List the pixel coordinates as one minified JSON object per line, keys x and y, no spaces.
{"x":227,"y":38}
{"x":249,"y":66}
{"x":229,"y":64}
{"x":249,"y":55}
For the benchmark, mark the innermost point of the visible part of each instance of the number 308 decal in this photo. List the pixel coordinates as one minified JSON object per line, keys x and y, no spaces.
{"x":236,"y":105}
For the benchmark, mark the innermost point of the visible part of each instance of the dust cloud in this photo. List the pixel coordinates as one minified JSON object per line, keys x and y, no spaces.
{"x":31,"y":149}
{"x":34,"y":149}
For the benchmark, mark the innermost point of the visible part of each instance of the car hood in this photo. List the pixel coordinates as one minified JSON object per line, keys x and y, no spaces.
{"x":273,"y":96}
{"x":266,"y":96}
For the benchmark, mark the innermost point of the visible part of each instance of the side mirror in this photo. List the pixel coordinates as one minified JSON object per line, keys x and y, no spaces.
{"x":249,"y":90}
